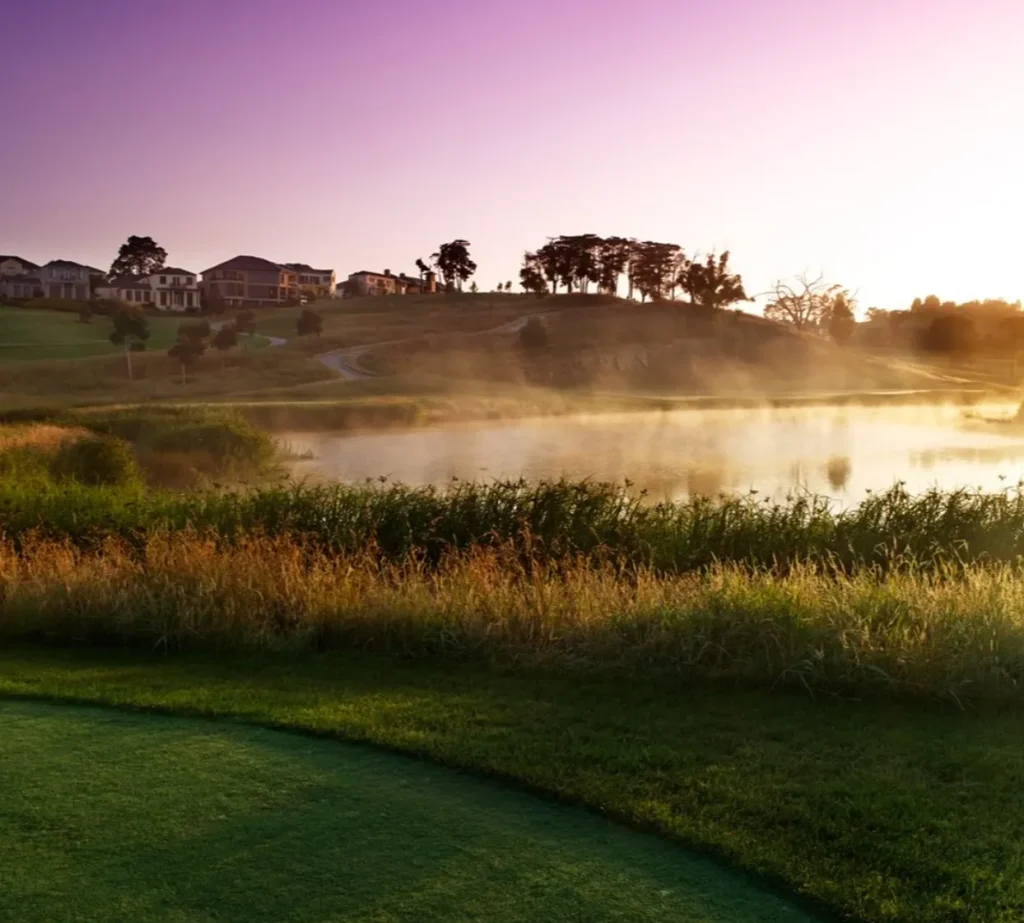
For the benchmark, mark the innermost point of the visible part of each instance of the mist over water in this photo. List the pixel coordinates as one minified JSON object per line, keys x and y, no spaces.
{"x":839,"y":452}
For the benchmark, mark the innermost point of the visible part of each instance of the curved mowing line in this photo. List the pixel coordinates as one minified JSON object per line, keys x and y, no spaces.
{"x":110,"y":814}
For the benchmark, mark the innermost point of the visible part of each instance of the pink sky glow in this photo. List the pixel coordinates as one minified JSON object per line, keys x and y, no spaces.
{"x":879,"y":141}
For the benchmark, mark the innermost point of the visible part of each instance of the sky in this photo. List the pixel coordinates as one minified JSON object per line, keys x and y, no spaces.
{"x":880,"y":142}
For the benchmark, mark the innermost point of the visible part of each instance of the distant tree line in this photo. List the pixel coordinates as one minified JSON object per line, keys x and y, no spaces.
{"x":655,"y":270}
{"x":992,"y":327}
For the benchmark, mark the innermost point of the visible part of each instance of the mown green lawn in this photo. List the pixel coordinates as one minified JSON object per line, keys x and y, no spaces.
{"x":871,"y":810}
{"x":27,"y":334}
{"x":109,"y":815}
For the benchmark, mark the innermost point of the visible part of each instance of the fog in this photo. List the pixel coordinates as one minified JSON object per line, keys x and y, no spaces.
{"x":840,"y":452}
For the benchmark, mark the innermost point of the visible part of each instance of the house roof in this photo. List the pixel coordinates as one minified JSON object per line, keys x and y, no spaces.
{"x":387,"y":275}
{"x":27,"y":263}
{"x":243,"y":263}
{"x":71,"y":264}
{"x":170,"y":271}
{"x":305,"y":267}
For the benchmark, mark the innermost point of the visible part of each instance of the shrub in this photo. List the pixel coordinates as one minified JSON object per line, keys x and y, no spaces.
{"x":533,"y":337}
{"x":212,"y":442}
{"x":96,"y":461}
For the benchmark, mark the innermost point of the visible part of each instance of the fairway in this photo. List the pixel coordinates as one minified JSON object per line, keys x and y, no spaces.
{"x":27,"y":334}
{"x":106,"y":815}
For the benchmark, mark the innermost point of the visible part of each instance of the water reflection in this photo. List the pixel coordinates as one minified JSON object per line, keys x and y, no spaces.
{"x":838,"y":470}
{"x":840,"y":452}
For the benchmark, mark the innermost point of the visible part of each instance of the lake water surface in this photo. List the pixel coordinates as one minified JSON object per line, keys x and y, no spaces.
{"x":839,"y":452}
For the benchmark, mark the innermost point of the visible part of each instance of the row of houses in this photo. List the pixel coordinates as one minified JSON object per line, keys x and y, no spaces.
{"x":20,"y":278}
{"x":249,"y":280}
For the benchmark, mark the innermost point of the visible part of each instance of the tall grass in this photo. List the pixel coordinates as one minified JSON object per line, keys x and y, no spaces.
{"x":933,"y":633}
{"x":552,"y":521}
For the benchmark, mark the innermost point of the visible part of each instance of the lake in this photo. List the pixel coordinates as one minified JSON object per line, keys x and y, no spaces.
{"x":839,"y":452}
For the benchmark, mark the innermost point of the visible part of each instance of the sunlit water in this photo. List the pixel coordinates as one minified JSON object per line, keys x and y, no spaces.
{"x":840,"y":452}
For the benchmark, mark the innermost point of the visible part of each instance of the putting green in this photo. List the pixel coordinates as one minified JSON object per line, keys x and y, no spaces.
{"x":106,"y":815}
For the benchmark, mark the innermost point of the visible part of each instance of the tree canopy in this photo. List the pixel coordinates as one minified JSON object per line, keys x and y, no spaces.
{"x":138,"y":256}
{"x":454,"y":263}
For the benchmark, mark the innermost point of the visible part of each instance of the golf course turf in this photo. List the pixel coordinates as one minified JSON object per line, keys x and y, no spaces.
{"x":111,"y":815}
{"x":869,"y":810}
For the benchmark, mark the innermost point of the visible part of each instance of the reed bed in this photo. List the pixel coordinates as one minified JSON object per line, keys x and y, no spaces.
{"x":548,"y":522}
{"x":935,"y":632}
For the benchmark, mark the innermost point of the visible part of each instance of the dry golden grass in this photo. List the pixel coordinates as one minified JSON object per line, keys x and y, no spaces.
{"x":955,"y":634}
{"x":37,"y":436}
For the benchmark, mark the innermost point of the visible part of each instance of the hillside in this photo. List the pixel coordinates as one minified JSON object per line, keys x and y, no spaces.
{"x":612,"y":344}
{"x":451,"y":350}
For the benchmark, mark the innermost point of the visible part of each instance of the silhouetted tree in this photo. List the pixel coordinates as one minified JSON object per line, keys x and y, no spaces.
{"x":710,"y":284}
{"x":531,"y":276}
{"x":309,"y":322}
{"x":474,"y":288}
{"x":508,"y":286}
{"x":612,"y":259}
{"x":651,"y":268}
{"x":838,"y":319}
{"x":131,"y":328}
{"x":422,"y":267}
{"x":454,"y":263}
{"x":138,"y":256}
{"x":579,"y":262}
{"x":804,"y":303}
{"x":557,"y":262}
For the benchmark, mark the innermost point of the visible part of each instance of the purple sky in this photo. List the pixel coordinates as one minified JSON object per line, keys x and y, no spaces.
{"x":881,"y":141}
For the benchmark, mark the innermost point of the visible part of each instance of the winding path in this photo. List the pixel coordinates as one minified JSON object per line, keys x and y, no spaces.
{"x":107,"y":814}
{"x":345,"y":361}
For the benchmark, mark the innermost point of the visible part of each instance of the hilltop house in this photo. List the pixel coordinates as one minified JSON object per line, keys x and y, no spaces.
{"x":169,"y":289}
{"x":323,"y":282}
{"x":16,"y":266}
{"x":250,"y":279}
{"x":385,"y":283}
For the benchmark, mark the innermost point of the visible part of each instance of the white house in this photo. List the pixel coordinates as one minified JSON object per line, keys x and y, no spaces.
{"x":168,"y":289}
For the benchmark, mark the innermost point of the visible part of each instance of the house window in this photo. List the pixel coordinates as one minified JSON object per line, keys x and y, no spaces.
{"x":188,"y":299}
{"x":163,"y":280}
{"x":147,"y":296}
{"x":163,"y":299}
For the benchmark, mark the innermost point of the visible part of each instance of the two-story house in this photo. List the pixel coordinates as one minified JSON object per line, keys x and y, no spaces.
{"x":250,"y":279}
{"x":386,"y":283}
{"x":16,"y":266}
{"x":19,"y":278}
{"x":169,"y":289}
{"x":323,"y":282}
{"x":65,"y":279}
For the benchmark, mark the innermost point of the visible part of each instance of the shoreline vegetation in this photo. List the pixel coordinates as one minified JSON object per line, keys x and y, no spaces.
{"x":120,"y":530}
